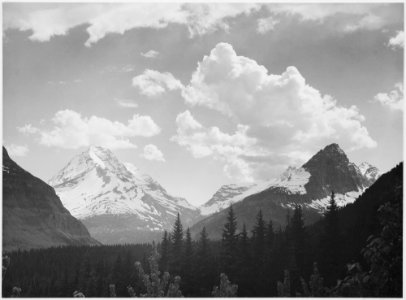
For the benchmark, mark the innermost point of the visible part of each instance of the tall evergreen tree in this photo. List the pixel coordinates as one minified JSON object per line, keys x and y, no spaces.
{"x":259,"y":254}
{"x":165,"y":252}
{"x":229,"y":245}
{"x":331,"y":244}
{"x":298,"y":236}
{"x":204,"y":267}
{"x":176,"y":247}
{"x":259,"y":239}
{"x":187,"y":266}
{"x":269,"y":263}
{"x":270,"y":235}
{"x":296,"y":249}
{"x":245,"y":268}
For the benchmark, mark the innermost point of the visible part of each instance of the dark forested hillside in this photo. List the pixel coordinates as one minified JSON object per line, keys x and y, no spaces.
{"x":353,"y":251}
{"x":33,"y":215}
{"x":58,"y":272}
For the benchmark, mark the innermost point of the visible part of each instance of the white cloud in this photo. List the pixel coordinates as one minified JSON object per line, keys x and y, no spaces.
{"x":352,"y":16}
{"x":126,"y":103}
{"x":211,"y":141}
{"x":276,"y":113}
{"x":397,"y":41}
{"x":186,"y":121}
{"x":367,"y":22}
{"x":393,"y":99}
{"x":49,"y":20}
{"x":70,"y":130}
{"x":153,"y":83}
{"x":17,"y":150}
{"x":27,"y":129}
{"x":150,"y":54}
{"x":151,"y":152}
{"x":206,"y":18}
{"x":266,"y":24}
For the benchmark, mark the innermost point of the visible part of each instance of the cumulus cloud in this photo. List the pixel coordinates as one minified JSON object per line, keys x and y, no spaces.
{"x":203,"y":141}
{"x":126,"y":103}
{"x":17,"y":150}
{"x":397,"y":41}
{"x":71,"y":130}
{"x":151,"y":152}
{"x":275,"y":113}
{"x":266,"y":24}
{"x":48,"y":20}
{"x":153,"y":83}
{"x":393,"y":99}
{"x":150,"y":54}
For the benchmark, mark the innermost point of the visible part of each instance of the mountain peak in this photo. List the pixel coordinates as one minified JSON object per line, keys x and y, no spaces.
{"x":332,"y":153}
{"x":334,"y":147}
{"x":95,"y":185}
{"x":99,"y":155}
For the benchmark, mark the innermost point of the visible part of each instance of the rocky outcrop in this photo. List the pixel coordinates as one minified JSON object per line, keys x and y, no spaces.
{"x":33,"y":215}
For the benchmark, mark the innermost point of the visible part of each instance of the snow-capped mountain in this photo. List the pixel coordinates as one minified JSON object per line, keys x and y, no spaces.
{"x":309,"y":185}
{"x":116,"y":201}
{"x":370,"y":172}
{"x":294,"y":180}
{"x":225,"y":196}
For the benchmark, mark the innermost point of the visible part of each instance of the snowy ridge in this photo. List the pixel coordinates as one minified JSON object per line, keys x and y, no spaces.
{"x":347,"y":177}
{"x":291,"y":181}
{"x":228,"y":195}
{"x":369,"y":171}
{"x":322,"y":204}
{"x":96,"y":183}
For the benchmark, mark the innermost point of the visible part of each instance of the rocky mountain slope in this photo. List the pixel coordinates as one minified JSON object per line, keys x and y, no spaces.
{"x":116,"y":202}
{"x":33,"y":215}
{"x":310,"y":186}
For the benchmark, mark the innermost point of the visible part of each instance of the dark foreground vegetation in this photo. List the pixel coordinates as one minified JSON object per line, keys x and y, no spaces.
{"x":354,"y":251}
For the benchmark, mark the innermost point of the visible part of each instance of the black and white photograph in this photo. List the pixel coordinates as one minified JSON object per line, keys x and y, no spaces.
{"x":202,"y":149}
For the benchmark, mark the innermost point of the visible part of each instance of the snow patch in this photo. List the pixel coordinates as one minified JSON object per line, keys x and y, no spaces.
{"x":341,"y":200}
{"x":96,"y":159}
{"x":293,"y":180}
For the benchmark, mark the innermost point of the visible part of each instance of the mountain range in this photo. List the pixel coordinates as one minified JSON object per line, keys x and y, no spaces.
{"x":115,"y":201}
{"x":120,"y":204}
{"x":33,"y":215}
{"x":309,"y":186}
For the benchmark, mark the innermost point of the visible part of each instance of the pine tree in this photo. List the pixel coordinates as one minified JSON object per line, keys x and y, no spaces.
{"x":165,"y":251}
{"x":245,"y":267}
{"x":296,"y":238}
{"x":187,"y":270}
{"x":259,"y":239}
{"x":258,"y":254}
{"x":176,"y":247}
{"x":204,"y":267}
{"x":270,"y":235}
{"x":229,"y":244}
{"x":331,"y":244}
{"x":269,"y":262}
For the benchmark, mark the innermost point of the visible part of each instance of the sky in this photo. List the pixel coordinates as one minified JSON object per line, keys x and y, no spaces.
{"x":201,"y":95}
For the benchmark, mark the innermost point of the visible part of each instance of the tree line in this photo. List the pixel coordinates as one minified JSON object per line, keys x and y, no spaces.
{"x":254,"y":260}
{"x":353,"y":251}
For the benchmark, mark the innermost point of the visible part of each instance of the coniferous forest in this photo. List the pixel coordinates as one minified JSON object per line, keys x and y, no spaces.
{"x":353,"y":251}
